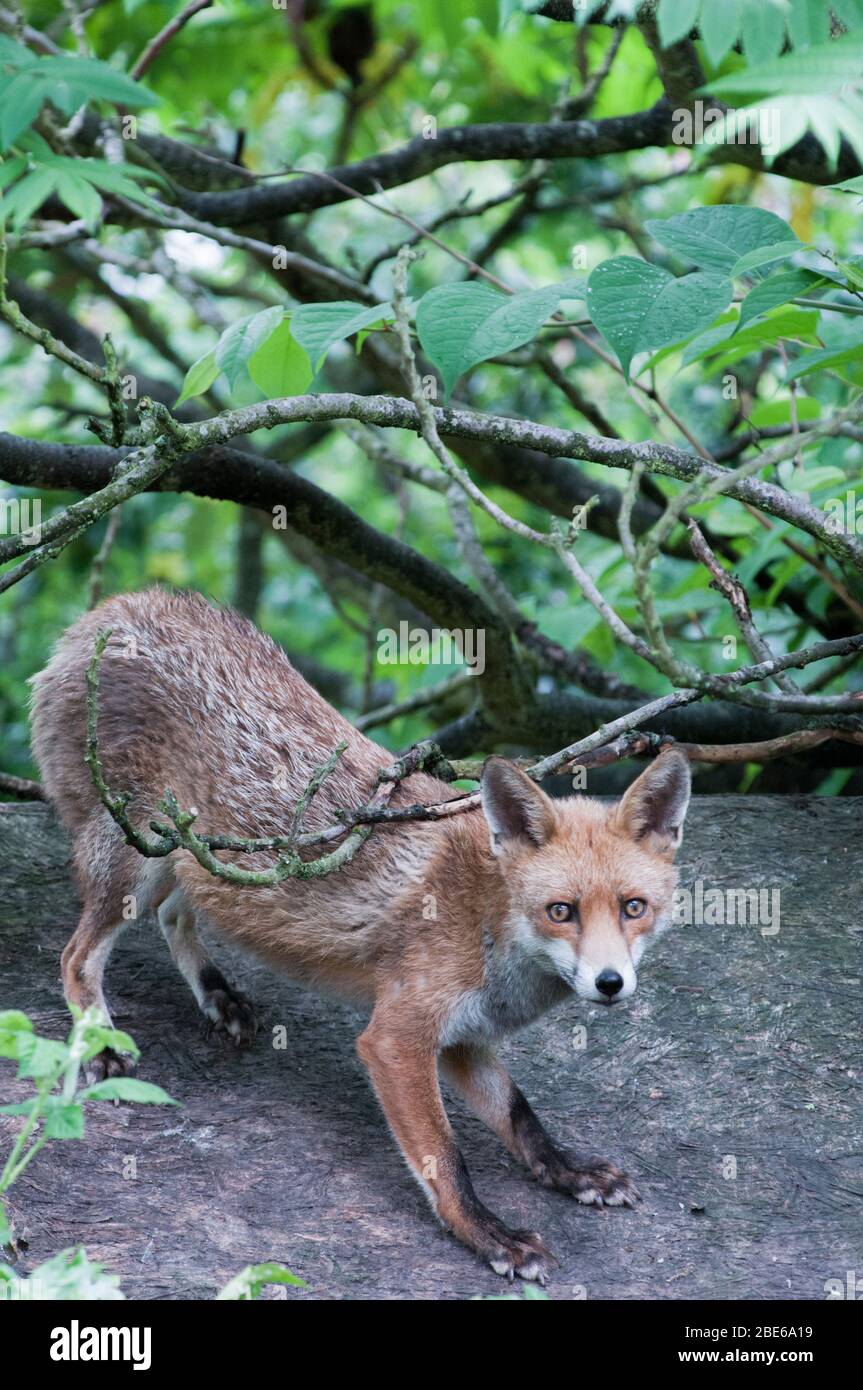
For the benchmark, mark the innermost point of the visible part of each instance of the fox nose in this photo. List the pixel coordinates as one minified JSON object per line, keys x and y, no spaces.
{"x":609,"y":983}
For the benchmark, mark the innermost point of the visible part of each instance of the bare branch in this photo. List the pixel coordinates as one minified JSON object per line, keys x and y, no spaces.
{"x":392,"y":412}
{"x":164,"y":36}
{"x":731,"y":589}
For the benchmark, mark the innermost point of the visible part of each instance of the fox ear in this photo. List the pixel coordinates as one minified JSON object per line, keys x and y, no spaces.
{"x":654,"y":807}
{"x":517,"y":810}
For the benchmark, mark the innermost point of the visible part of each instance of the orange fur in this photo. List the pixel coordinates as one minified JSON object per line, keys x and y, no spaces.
{"x":441,"y":928}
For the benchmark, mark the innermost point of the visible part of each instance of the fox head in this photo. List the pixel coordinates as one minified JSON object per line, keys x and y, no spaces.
{"x":588,"y":883}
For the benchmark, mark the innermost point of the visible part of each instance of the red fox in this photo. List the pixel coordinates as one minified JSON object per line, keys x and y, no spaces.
{"x":452,"y":932}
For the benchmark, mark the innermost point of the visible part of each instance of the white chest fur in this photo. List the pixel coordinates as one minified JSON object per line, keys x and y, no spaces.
{"x":519,"y":986}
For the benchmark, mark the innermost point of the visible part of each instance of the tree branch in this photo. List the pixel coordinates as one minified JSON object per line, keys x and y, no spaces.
{"x":396,"y":413}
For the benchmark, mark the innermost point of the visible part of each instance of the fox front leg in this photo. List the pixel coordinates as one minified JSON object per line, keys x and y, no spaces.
{"x":494,"y":1097}
{"x":404,"y":1076}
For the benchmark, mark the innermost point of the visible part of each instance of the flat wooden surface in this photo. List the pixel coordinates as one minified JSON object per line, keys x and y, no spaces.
{"x":740,"y":1053}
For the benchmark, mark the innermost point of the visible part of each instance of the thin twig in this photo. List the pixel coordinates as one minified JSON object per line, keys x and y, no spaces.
{"x":164,"y":36}
{"x":97,"y":571}
{"x":732,"y":590}
{"x":431,"y":695}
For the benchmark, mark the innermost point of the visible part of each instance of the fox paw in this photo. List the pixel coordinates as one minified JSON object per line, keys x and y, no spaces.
{"x":230,"y":1015}
{"x":107,"y":1064}
{"x":593,"y":1182}
{"x":521,"y":1253}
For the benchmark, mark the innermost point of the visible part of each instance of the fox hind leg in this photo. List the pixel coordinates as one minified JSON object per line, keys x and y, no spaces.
{"x":227,"y":1011}
{"x":103,"y":869}
{"x":83,"y":966}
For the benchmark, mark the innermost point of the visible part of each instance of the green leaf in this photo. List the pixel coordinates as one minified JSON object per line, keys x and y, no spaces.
{"x":238,"y":342}
{"x":70,"y":1276}
{"x":722,"y":327}
{"x":718,"y":237}
{"x":787,"y":323}
{"x":98,"y":1036}
{"x":14,"y":54}
{"x":14,"y":1021}
{"x":778,"y":412}
{"x":763,"y":255}
{"x":811,"y":480}
{"x":21,"y":100}
{"x":826,"y":359}
{"x":248,"y":1283}
{"x":793,"y":324}
{"x":64,"y":1121}
{"x":280,"y":366}
{"x":27,"y":195}
{"x":854,"y":185}
{"x":127,"y":1088}
{"x":637,"y":306}
{"x":79,"y":196}
{"x":199,"y":378}
{"x":720,"y":26}
{"x":821,"y":69}
{"x":778,"y":289}
{"x":852,"y":270}
{"x":33,"y":143}
{"x":447,"y":318}
{"x":808,"y":22}
{"x":318,"y":327}
{"x":10,"y":169}
{"x":676,"y":18}
{"x":784,"y":120}
{"x":850,"y":12}
{"x":39,"y":1057}
{"x":65,"y":80}
{"x":114,"y":178}
{"x":762,"y":29}
{"x":461,"y":325}
{"x":92,"y":79}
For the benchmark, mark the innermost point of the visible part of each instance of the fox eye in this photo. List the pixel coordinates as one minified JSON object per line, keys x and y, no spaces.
{"x":634,"y":907}
{"x":559,"y":912}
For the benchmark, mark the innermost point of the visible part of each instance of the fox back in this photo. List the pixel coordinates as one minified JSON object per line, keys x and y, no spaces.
{"x":196,"y":699}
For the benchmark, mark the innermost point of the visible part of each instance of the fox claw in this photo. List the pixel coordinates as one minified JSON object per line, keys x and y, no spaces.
{"x":595,"y":1184}
{"x":232,"y":1016}
{"x":522,"y":1253}
{"x":107,"y":1064}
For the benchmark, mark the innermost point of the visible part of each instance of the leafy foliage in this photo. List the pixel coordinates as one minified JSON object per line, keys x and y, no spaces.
{"x":692,"y":263}
{"x":638,"y":306}
{"x":56,"y":1110}
{"x":460,"y":326}
{"x":72,"y":1276}
{"x":248,"y":1284}
{"x":66,"y":82}
{"x":68,"y":1276}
